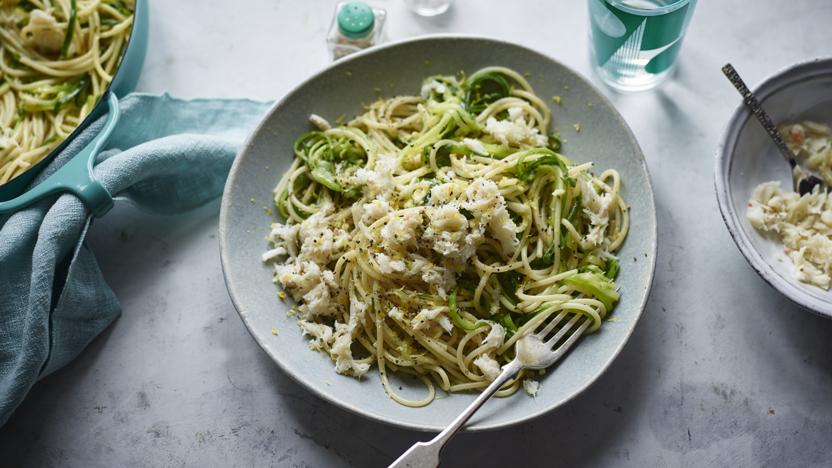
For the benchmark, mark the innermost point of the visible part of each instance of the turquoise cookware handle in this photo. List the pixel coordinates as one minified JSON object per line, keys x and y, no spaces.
{"x":76,"y":175}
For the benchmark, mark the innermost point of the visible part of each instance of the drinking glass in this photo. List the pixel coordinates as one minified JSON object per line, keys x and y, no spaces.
{"x":429,"y":7}
{"x":634,"y":43}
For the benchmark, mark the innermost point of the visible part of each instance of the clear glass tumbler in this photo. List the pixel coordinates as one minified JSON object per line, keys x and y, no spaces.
{"x":634,"y":43}
{"x":429,"y":7}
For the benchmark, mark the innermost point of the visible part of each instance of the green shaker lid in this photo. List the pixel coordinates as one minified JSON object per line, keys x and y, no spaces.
{"x":356,"y":20}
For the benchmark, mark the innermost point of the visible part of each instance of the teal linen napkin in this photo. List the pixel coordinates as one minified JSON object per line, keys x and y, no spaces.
{"x":167,"y":155}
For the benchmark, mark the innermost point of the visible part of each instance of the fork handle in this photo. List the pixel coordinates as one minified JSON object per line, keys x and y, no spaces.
{"x":426,"y":454}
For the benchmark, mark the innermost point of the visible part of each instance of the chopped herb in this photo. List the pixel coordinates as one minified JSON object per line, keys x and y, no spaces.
{"x":459,"y":321}
{"x":70,"y":28}
{"x":545,"y":261}
{"x":509,"y":283}
{"x":554,"y":143}
{"x":612,"y":268}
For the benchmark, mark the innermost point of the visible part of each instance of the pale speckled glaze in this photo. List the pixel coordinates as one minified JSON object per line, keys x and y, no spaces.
{"x":747,"y":157}
{"x":396,"y":69}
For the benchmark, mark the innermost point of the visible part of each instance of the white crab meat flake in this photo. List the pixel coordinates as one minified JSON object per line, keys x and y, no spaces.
{"x":532,"y":387}
{"x":514,"y":132}
{"x":427,"y":317}
{"x":488,"y":365}
{"x":803,"y":224}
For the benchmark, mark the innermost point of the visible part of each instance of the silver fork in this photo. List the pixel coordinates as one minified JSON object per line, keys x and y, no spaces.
{"x":533,"y":351}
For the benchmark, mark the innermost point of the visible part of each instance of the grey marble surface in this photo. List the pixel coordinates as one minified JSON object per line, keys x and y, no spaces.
{"x":720,"y":371}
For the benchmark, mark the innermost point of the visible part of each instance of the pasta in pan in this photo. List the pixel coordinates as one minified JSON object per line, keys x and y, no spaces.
{"x":57,"y":58}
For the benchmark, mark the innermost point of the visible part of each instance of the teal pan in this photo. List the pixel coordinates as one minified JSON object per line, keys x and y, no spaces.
{"x":77,"y":175}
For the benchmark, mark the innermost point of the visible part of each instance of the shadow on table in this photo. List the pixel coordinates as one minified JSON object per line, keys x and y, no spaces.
{"x":808,"y":333}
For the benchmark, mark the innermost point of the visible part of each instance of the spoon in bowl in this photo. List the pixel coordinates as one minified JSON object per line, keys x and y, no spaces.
{"x":803,"y":180}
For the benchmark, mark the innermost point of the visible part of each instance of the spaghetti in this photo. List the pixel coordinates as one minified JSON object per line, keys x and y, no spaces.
{"x":57,"y":58}
{"x":431,"y":232}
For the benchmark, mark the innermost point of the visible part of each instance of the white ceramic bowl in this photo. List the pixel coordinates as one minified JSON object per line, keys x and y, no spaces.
{"x":747,"y":157}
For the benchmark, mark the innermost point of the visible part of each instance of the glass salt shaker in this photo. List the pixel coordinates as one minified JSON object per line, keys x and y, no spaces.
{"x":355,"y":26}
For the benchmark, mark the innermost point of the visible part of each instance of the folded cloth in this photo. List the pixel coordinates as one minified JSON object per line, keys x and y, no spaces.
{"x":166,"y":155}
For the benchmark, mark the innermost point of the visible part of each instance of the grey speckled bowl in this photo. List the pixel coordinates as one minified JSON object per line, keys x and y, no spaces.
{"x":398,"y":69}
{"x":747,"y":157}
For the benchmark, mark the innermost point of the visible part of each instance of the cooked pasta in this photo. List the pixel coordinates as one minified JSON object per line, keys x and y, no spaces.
{"x":57,"y":58}
{"x":431,"y":232}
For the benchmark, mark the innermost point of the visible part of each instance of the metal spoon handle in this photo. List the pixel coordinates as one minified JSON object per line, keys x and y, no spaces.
{"x":757,"y":110}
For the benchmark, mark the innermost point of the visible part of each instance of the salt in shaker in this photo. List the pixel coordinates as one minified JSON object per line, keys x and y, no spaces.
{"x":355,"y":26}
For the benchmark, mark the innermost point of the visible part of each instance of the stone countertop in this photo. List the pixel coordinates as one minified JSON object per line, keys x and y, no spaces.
{"x":721,"y":370}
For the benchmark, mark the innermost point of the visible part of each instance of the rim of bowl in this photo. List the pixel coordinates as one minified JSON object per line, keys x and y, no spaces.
{"x":770,"y":86}
{"x":236,"y":300}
